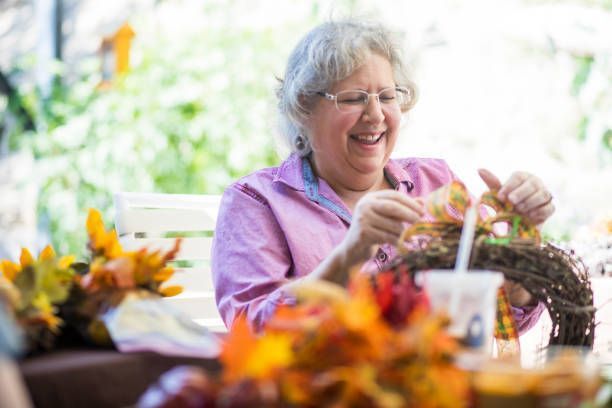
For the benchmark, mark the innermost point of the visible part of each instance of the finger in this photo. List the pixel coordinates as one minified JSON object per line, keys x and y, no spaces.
{"x":397,"y":211}
{"x":541,"y":214}
{"x":378,"y":222}
{"x":401,"y":198}
{"x":515,"y":180}
{"x":524,"y":194}
{"x":490,"y":179}
{"x":535,"y":200}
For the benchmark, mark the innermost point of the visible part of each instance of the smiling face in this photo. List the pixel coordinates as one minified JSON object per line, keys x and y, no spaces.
{"x":350,"y":150}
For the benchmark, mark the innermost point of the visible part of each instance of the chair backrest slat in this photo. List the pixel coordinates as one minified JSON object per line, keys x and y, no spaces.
{"x":198,"y":279}
{"x":145,"y":219}
{"x":168,"y":220}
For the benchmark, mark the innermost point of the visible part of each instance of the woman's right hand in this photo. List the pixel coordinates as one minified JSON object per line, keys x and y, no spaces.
{"x":379,"y":218}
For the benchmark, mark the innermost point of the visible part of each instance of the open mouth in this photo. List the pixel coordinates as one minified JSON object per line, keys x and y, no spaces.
{"x":368,"y":139}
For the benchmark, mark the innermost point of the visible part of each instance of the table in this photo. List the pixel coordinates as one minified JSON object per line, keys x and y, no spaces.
{"x":97,"y":377}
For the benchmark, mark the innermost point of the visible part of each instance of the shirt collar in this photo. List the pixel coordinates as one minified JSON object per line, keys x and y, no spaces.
{"x":290,"y":173}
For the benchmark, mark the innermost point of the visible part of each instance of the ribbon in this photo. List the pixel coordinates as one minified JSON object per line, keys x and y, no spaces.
{"x":445,"y":209}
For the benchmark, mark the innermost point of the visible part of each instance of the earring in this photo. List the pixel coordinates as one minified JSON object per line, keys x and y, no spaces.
{"x":300,"y":144}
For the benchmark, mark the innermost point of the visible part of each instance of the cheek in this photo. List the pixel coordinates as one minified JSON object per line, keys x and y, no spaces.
{"x":394,"y":120}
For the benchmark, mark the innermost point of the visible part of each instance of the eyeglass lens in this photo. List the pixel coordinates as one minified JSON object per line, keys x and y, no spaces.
{"x":349,"y":101}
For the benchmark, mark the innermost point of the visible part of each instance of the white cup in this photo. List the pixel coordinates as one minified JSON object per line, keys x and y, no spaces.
{"x":475,"y":301}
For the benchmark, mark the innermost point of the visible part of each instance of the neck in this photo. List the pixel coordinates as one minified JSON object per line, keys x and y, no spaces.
{"x":350,"y":187}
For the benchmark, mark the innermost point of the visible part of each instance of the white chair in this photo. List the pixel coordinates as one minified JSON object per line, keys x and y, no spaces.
{"x":154,"y":220}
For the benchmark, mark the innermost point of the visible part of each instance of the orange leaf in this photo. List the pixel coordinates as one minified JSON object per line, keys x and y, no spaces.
{"x":9,"y":269}
{"x":169,"y":291}
{"x":272,"y":352}
{"x":163,"y":274}
{"x":47,"y":253}
{"x":238,"y":346}
{"x":25,"y":259}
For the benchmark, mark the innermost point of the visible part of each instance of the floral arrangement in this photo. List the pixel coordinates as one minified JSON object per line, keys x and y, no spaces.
{"x":34,"y":288}
{"x":112,"y":268}
{"x":51,"y":292}
{"x":370,"y":345}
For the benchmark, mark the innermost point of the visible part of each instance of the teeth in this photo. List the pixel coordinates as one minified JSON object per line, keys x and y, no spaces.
{"x":368,"y":139}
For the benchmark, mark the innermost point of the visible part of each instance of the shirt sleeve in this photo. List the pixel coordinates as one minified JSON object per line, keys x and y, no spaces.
{"x":526,"y":317}
{"x":250,"y":258}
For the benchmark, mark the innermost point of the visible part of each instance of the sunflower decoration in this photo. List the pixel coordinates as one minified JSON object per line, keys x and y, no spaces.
{"x":35,"y":288}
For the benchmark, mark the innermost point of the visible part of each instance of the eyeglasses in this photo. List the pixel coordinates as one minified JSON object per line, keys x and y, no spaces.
{"x":389,"y":98}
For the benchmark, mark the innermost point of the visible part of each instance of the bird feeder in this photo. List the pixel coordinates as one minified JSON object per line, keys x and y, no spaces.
{"x":115,"y":53}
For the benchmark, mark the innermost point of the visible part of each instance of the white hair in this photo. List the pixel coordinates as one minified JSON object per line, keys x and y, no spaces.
{"x":328,"y":53}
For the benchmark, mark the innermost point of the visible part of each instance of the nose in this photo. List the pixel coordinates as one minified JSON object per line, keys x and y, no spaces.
{"x":373,"y":112}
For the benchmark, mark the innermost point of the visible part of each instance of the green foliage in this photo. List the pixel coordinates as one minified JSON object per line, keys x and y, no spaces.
{"x":190,"y":117}
{"x":583,"y":69}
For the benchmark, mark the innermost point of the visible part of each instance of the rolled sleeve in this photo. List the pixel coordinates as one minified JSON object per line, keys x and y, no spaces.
{"x":250,"y":258}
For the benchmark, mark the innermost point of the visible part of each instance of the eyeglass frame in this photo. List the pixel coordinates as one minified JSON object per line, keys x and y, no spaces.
{"x":411,"y":91}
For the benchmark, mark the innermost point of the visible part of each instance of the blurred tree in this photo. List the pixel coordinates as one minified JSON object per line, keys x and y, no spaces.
{"x":189,"y":118}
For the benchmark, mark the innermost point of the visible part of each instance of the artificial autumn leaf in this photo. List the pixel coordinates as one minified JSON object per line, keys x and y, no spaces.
{"x":66,"y":261}
{"x":9,"y":269}
{"x":47,"y":253}
{"x":169,"y":291}
{"x":25,"y":259}
{"x":272,"y":352}
{"x":101,"y":241}
{"x":238,"y":345}
{"x":384,"y":290}
{"x":163,"y":274}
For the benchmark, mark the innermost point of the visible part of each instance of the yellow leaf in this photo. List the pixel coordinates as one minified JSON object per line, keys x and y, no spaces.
{"x":112,"y":247}
{"x":272,"y":351}
{"x":9,"y":269}
{"x":65,"y":261}
{"x":171,"y":290}
{"x":51,"y":321}
{"x":47,"y":253}
{"x":42,"y":303}
{"x":25,"y":259}
{"x":360,"y":314}
{"x":163,"y":274}
{"x":94,"y":222}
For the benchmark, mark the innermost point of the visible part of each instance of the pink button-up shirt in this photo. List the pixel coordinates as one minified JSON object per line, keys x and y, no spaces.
{"x":280,"y":223}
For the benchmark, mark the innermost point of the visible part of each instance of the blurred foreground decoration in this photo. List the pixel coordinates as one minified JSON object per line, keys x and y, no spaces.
{"x":51,"y":293}
{"x":115,"y":54}
{"x":337,"y":348}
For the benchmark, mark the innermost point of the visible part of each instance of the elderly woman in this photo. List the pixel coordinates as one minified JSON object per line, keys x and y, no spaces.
{"x":338,"y":200}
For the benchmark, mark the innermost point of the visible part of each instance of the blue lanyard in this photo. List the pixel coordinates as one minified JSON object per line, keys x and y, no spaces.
{"x":311,"y":186}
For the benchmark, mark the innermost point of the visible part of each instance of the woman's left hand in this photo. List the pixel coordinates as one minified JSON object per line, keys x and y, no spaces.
{"x":525,"y":191}
{"x":530,"y":198}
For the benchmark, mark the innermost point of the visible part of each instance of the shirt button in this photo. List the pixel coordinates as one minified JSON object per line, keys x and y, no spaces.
{"x":381,"y":256}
